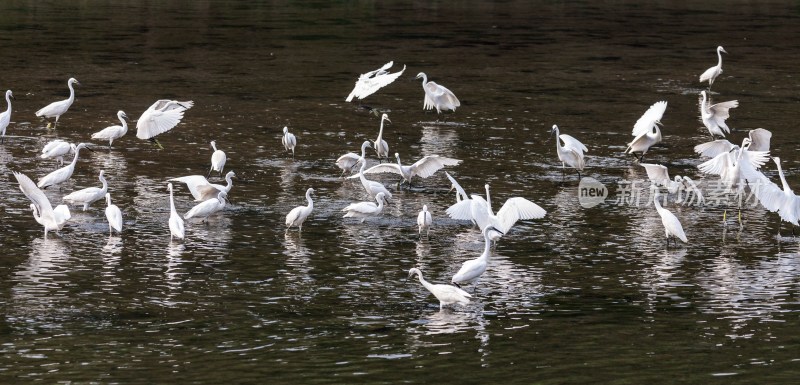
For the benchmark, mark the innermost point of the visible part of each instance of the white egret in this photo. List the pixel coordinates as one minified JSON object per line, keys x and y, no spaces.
{"x":176,"y":229}
{"x":201,"y":189}
{"x":659,"y":176}
{"x":51,"y":219}
{"x":380,"y":145}
{"x":347,"y":161}
{"x":299,"y":214}
{"x":759,"y":141}
{"x":712,"y":73}
{"x":777,"y":199}
{"x":5,"y":116}
{"x":63,"y":173}
{"x":206,"y":208}
{"x":365,"y":210}
{"x":737,"y":169}
{"x":424,"y":221}
{"x":672,"y":226}
{"x":422,"y":168}
{"x":714,"y":116}
{"x":288,"y":140}
{"x":571,"y":152}
{"x":159,"y":118}
{"x":112,"y":133}
{"x":56,"y":149}
{"x":460,"y":193}
{"x":372,"y":187}
{"x":370,"y":82}
{"x":446,"y":294}
{"x":218,"y":159}
{"x":646,"y":132}
{"x":56,"y":109}
{"x":437,"y":96}
{"x":480,"y":211}
{"x":114,"y":216}
{"x":471,"y":270}
{"x":88,"y":195}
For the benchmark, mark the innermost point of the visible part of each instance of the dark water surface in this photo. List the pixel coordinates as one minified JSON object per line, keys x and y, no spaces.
{"x":581,"y":296}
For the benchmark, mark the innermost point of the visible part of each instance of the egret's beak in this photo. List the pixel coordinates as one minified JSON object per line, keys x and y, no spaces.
{"x":498,"y":231}
{"x":723,"y":50}
{"x":89,"y":148}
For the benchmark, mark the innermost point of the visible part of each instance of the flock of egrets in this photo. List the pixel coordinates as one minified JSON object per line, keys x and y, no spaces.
{"x":737,"y":166}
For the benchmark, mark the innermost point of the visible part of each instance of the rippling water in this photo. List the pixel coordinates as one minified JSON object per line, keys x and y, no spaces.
{"x":583,"y":295}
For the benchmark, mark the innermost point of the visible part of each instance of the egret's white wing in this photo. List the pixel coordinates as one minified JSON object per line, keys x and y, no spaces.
{"x":636,"y":141}
{"x":479,"y":210}
{"x":193,"y":182}
{"x":657,"y":174}
{"x":760,"y":139}
{"x":451,"y":294}
{"x":768,"y":193}
{"x":384,"y":167}
{"x":461,"y":210}
{"x":459,"y":189}
{"x":720,"y":112}
{"x":361,"y":207}
{"x":208,"y":191}
{"x":53,"y":145}
{"x":649,"y":118}
{"x":518,"y":208}
{"x":571,"y":142}
{"x":371,"y":82}
{"x":428,"y":165}
{"x":756,"y":159}
{"x":61,"y":214}
{"x":713,"y":148}
{"x":348,"y":161}
{"x":716,"y":165}
{"x":33,"y":193}
{"x":161,"y":117}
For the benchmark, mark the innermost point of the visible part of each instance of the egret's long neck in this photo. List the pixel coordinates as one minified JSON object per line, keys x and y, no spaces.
{"x":783,"y":178}
{"x":424,"y":282}
{"x":380,"y":132}
{"x":171,"y":202}
{"x":657,"y":203}
{"x":8,"y":101}
{"x":36,"y":214}
{"x":75,"y":159}
{"x":719,"y":58}
{"x":558,"y":145}
{"x":487,"y":247}
{"x":310,"y":201}
{"x":124,"y":124}
{"x":71,"y":92}
{"x":363,"y":150}
{"x":488,"y":201}
{"x":229,"y":180}
{"x":424,"y":80}
{"x":105,"y":184}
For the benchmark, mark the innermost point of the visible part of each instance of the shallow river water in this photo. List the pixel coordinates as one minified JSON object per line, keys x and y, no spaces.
{"x":584,"y":295}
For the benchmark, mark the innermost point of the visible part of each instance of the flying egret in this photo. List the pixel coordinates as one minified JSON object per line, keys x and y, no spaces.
{"x":446,"y":294}
{"x":712,"y":73}
{"x":422,"y":168}
{"x":737,"y":169}
{"x":299,"y":214}
{"x":380,"y":145}
{"x":159,"y":118}
{"x":672,"y":226}
{"x":51,"y":219}
{"x":437,"y":96}
{"x":63,"y":173}
{"x":571,"y":152}
{"x":370,"y":82}
{"x":424,"y":221}
{"x":471,"y":270}
{"x":365,"y":210}
{"x":114,"y":216}
{"x":206,"y":208}
{"x":56,"y":149}
{"x":783,"y":201}
{"x":5,"y":117}
{"x":218,"y":159}
{"x":88,"y":195}
{"x":372,"y":187}
{"x":201,"y":189}
{"x":714,"y":116}
{"x":646,"y":131}
{"x":56,"y":109}
{"x":176,"y":229}
{"x":112,"y":133}
{"x":348,"y":161}
{"x":759,"y":141}
{"x":289,"y":140}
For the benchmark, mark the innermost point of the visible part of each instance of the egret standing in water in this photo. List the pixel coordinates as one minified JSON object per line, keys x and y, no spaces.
{"x":672,"y":226}
{"x":424,"y":221}
{"x":114,"y":216}
{"x":365,"y":210}
{"x":380,"y":145}
{"x":63,"y":173}
{"x":712,"y":73}
{"x":218,"y":159}
{"x":5,"y":117}
{"x":88,"y":195}
{"x":646,"y":131}
{"x":446,"y":294}
{"x":201,"y":189}
{"x":783,"y":201}
{"x":112,"y":133}
{"x":571,"y":152}
{"x":348,"y":161}
{"x":289,"y":140}
{"x":437,"y":96}
{"x":471,"y":270}
{"x":51,"y":219}
{"x":714,"y":116}
{"x":299,"y":214}
{"x":56,"y":109}
{"x":176,"y":229}
{"x":160,"y":117}
{"x":372,"y":81}
{"x":373,"y":188}
{"x":206,"y":208}
{"x":56,"y":149}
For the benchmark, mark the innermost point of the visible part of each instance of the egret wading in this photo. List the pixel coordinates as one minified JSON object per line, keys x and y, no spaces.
{"x":176,"y":228}
{"x":5,"y":116}
{"x":711,"y":74}
{"x":571,"y":152}
{"x":446,"y":294}
{"x":56,"y":109}
{"x":437,"y":96}
{"x":218,"y":159}
{"x":113,"y":133}
{"x":160,"y":117}
{"x":299,"y":214}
